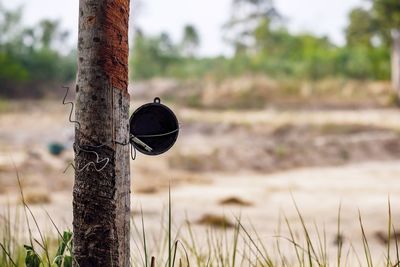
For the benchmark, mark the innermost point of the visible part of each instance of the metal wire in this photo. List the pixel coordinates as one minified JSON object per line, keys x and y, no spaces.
{"x":88,"y":148}
{"x":84,"y":167}
{"x":72,"y":107}
{"x":122,"y":144}
{"x":135,"y":139}
{"x":132,"y":147}
{"x":133,"y":152}
{"x":157,"y":135}
{"x":94,"y":163}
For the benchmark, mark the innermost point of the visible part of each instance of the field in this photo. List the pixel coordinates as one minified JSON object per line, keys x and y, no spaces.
{"x":231,"y":161}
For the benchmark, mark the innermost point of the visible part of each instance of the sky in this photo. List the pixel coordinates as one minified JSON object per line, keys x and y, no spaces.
{"x":322,"y":17}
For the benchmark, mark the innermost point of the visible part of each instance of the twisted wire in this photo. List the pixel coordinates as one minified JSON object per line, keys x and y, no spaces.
{"x":72,"y":107}
{"x":89,"y":148}
{"x":94,"y":163}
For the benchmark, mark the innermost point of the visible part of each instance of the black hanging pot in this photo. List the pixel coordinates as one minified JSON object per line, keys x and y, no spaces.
{"x":154,"y":128}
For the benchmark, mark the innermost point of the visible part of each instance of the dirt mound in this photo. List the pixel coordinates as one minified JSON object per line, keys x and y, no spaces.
{"x":269,"y":149}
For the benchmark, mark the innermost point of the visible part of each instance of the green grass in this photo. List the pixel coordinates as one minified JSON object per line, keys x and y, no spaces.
{"x":190,"y":245}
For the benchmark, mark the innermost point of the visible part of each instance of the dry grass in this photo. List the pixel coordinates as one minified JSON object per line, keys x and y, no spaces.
{"x":258,"y":91}
{"x":385,"y":239}
{"x":231,"y":244}
{"x":236,"y":201}
{"x":36,"y":196}
{"x":215,"y":221}
{"x":148,"y":190}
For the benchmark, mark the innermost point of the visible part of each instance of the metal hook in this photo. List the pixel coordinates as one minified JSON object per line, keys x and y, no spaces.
{"x":133,"y":149}
{"x":133,"y":152}
{"x":89,"y":149}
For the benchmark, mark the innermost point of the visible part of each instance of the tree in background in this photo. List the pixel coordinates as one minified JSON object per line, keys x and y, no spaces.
{"x":50,"y":33}
{"x":165,"y":43}
{"x":190,"y":41}
{"x":263,"y":44}
{"x":387,"y":13}
{"x":35,"y":59}
{"x":9,"y":24}
{"x":365,"y":55}
{"x":10,"y":68}
{"x":361,"y":28}
{"x":246,"y":16}
{"x":32,"y":59}
{"x":152,"y":56}
{"x":278,"y":52}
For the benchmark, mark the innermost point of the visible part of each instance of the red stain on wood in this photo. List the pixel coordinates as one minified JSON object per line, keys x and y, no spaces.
{"x":115,"y":49}
{"x":91,"y":20}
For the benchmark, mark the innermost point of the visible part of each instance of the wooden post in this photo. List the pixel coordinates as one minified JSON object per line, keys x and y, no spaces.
{"x":101,"y":203}
{"x":396,"y":60}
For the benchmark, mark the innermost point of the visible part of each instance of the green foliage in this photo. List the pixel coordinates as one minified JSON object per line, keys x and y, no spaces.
{"x":152,"y":56}
{"x":244,"y":19}
{"x":190,"y":41}
{"x":28,"y":55}
{"x":270,"y":49}
{"x":387,"y":13}
{"x":235,"y":243}
{"x":63,"y":257}
{"x":282,"y":53}
{"x":32,"y":259}
{"x":30,"y":59}
{"x":10,"y":69}
{"x":361,"y":28}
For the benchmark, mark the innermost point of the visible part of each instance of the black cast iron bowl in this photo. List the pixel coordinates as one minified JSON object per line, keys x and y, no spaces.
{"x":155,"y":125}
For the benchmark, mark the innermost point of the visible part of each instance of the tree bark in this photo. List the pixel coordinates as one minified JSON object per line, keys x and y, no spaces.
{"x":396,"y":60}
{"x":101,"y":203}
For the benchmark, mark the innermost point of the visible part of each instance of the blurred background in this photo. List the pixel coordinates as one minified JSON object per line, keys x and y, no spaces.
{"x":277,"y":100}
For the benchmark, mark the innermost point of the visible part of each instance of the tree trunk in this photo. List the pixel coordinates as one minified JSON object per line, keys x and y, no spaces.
{"x":101,"y":204}
{"x":396,"y":60}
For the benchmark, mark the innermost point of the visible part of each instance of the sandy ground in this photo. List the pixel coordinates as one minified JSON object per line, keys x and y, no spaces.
{"x":265,"y":159}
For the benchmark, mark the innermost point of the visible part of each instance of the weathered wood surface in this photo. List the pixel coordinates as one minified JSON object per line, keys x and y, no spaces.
{"x":396,"y":60}
{"x":101,"y":202}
